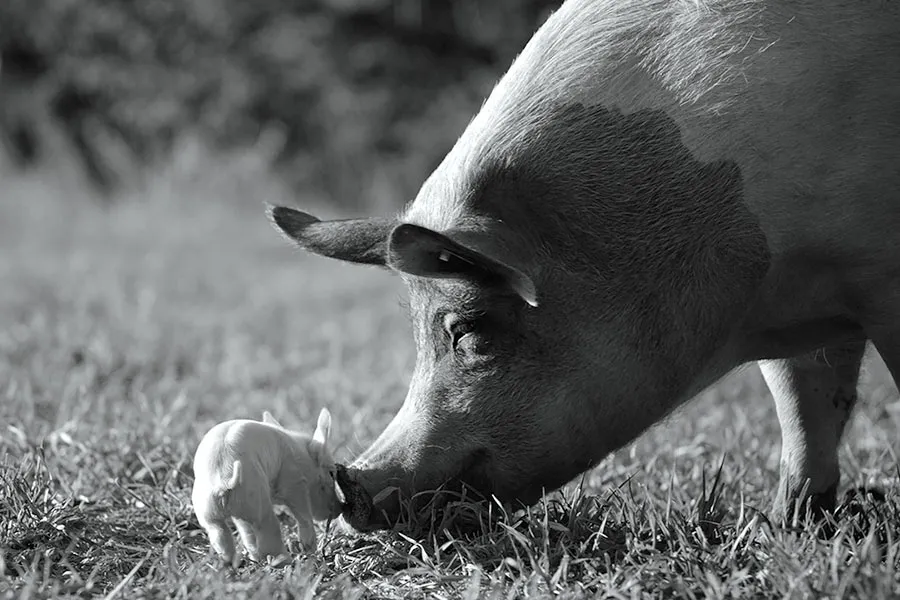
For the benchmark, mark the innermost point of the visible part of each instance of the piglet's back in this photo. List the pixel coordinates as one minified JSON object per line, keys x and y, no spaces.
{"x":257,"y":445}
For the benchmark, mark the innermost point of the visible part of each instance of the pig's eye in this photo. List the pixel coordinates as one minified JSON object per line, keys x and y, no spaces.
{"x":458,"y":330}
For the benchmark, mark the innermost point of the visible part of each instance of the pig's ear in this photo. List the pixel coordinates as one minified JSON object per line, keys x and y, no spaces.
{"x":421,"y":251}
{"x":354,"y":240}
{"x":323,"y":428}
{"x":268,"y":418}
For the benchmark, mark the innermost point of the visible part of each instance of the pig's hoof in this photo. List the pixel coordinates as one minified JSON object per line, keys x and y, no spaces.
{"x":219,"y":562}
{"x":217,"y":557}
{"x":280,"y":561}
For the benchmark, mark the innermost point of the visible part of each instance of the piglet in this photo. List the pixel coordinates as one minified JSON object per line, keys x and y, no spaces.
{"x":243,"y":467}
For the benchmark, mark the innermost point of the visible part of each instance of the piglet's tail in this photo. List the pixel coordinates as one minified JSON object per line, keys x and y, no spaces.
{"x":235,"y":477}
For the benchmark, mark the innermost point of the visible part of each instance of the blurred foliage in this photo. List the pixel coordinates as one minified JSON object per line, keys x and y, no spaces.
{"x":344,"y":93}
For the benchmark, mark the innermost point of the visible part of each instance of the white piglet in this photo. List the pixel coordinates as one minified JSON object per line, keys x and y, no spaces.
{"x":242,"y":468}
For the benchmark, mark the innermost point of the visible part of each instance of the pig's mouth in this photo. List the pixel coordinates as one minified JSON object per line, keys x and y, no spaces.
{"x":358,"y":506}
{"x":388,"y":509}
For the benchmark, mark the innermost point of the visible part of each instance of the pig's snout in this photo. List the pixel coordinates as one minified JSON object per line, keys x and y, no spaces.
{"x":358,"y":507}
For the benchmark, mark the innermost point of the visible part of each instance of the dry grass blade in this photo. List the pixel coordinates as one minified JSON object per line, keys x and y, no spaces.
{"x":121,"y":585}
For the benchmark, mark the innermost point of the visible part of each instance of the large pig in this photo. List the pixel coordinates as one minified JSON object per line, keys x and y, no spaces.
{"x":655,"y":193}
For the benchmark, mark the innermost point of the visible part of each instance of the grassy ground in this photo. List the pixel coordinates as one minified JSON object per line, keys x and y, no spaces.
{"x":125,"y":335}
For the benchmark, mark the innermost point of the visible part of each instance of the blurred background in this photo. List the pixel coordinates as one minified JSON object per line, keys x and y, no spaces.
{"x":355,"y":100}
{"x":144,"y":296}
{"x":143,"y":293}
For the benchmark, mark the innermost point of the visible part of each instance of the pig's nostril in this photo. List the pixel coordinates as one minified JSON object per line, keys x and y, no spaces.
{"x":357,"y":505}
{"x":343,"y":482}
{"x":339,"y":493}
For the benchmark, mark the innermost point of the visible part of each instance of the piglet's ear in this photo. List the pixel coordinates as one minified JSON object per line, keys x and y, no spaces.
{"x":323,"y":428}
{"x":268,"y":418}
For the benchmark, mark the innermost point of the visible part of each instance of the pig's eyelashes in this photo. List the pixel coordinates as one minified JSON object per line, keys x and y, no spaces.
{"x":457,"y":329}
{"x":460,"y":333}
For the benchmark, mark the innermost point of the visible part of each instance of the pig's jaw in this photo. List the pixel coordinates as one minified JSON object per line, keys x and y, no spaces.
{"x":377,"y":493}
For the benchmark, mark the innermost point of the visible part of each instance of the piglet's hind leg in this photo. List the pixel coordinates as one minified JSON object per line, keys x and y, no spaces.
{"x":262,"y":538}
{"x":247,"y":531}
{"x":220,"y":538}
{"x":270,"y":540}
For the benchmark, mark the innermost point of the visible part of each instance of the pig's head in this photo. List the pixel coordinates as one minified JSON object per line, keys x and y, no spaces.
{"x":543,"y":341}
{"x":501,"y":392}
{"x":574,"y":272}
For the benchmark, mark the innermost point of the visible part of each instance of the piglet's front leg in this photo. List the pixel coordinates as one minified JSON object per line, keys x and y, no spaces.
{"x":299,"y":507}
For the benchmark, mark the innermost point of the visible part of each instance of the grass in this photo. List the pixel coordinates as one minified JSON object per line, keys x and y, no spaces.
{"x":125,"y":335}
